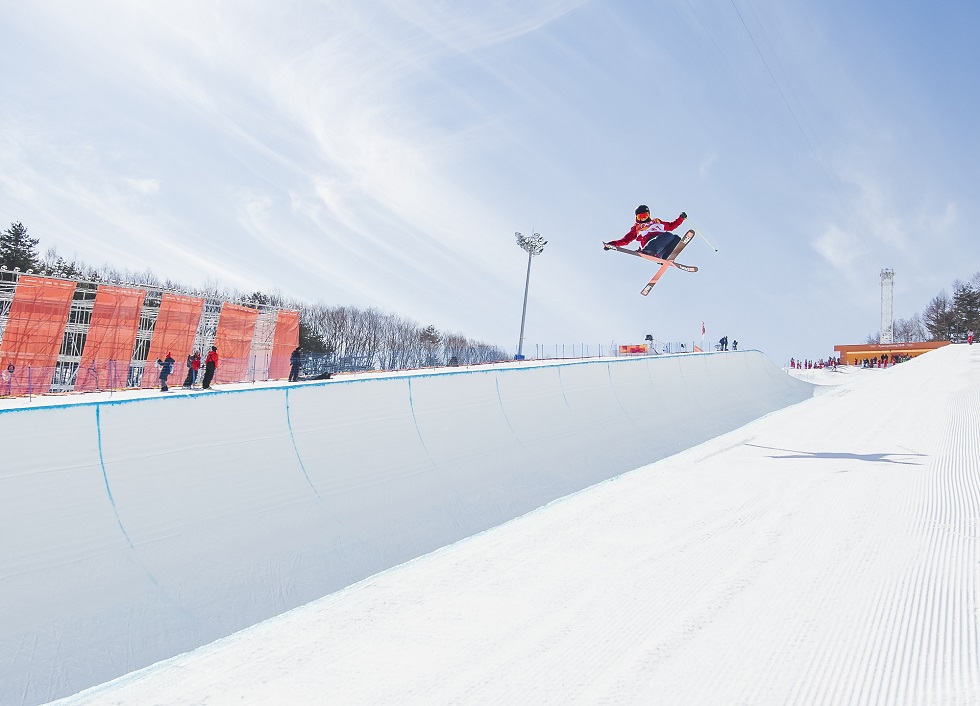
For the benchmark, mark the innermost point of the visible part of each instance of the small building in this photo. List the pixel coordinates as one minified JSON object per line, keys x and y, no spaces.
{"x":852,"y":355}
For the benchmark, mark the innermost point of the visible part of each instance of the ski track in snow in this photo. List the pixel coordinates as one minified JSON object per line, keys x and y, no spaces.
{"x":824,"y":554}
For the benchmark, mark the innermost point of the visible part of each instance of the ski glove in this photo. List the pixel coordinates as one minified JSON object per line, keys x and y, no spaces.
{"x":683,"y":215}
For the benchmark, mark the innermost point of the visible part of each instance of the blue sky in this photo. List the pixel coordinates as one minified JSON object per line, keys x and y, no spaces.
{"x":384,"y":153}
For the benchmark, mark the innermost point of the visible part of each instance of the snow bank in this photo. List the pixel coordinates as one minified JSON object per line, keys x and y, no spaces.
{"x":138,"y":529}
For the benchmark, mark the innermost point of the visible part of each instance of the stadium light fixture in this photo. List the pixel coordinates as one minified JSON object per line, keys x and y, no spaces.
{"x":532,"y":245}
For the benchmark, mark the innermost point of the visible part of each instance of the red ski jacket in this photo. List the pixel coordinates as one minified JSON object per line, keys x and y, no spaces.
{"x":212,"y":358}
{"x":645,"y":230}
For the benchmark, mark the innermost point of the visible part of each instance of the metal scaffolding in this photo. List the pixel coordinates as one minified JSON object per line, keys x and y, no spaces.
{"x":80,"y":315}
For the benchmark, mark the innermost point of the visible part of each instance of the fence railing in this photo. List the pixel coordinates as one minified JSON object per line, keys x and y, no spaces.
{"x":113,"y":375}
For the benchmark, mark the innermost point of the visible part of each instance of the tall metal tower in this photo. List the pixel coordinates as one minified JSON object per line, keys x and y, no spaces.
{"x":887,"y":306}
{"x":533,"y":245}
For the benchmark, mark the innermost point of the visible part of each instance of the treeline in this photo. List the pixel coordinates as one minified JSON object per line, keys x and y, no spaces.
{"x":359,"y":338}
{"x":946,"y":318}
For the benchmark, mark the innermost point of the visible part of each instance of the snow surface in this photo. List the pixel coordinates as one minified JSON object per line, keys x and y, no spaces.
{"x":150,"y":526}
{"x":827,"y":553}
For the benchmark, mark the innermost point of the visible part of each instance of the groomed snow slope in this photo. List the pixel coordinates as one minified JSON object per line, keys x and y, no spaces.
{"x":134,"y":530}
{"x":828,"y":553}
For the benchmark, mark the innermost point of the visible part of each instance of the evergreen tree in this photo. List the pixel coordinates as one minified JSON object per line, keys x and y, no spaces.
{"x":938,"y":318}
{"x":312,"y":342}
{"x":18,"y":249}
{"x":966,"y":309}
{"x":430,"y":338}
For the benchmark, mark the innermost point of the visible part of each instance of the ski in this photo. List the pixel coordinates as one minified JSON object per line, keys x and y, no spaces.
{"x":653,"y":280}
{"x":667,"y":263}
{"x":687,"y":238}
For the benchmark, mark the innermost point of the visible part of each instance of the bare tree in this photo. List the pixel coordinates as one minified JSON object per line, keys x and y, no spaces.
{"x":910,"y":330}
{"x":455,"y":345}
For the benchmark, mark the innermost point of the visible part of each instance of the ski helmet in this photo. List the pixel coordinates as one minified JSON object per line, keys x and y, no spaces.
{"x":642,"y":209}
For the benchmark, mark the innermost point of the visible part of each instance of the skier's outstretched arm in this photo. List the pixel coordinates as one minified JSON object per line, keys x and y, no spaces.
{"x":625,"y":240}
{"x":673,"y":224}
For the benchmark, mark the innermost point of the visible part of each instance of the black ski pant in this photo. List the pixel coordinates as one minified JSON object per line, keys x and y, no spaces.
{"x":662,"y":245}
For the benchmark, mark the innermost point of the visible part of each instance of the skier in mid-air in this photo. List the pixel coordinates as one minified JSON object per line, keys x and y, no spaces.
{"x":656,"y":237}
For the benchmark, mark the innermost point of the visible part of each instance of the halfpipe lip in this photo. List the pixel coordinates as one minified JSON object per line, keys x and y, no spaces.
{"x":46,"y":402}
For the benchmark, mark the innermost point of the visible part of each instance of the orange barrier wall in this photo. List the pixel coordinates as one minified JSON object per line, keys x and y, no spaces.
{"x":111,"y":338}
{"x":174,"y":333}
{"x":286,"y":339}
{"x":234,"y":342}
{"x":34,"y":332}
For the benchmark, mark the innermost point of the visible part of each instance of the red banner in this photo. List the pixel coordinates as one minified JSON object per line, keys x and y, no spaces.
{"x":634,"y":349}
{"x":234,"y":342}
{"x":173,"y":333}
{"x":111,"y":338}
{"x":285,"y":341}
{"x":34,"y":332}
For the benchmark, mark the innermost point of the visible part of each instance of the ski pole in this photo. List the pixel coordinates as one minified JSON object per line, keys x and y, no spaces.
{"x":701,"y":233}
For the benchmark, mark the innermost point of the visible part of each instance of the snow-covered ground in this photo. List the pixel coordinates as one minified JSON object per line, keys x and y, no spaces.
{"x":146,"y":525}
{"x":827,"y":553}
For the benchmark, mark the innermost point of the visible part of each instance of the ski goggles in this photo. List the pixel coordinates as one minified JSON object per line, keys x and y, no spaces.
{"x":642,"y":216}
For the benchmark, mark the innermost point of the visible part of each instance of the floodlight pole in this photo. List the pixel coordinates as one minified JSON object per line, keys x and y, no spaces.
{"x":533,"y":245}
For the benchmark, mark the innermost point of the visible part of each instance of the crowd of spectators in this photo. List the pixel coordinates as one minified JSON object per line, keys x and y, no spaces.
{"x":831,"y":363}
{"x":882,"y":361}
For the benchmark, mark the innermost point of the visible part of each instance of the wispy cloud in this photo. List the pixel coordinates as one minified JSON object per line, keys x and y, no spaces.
{"x":382,"y":153}
{"x":144,"y":186}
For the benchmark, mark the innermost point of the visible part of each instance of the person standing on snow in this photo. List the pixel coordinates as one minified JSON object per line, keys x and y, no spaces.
{"x":193,"y":365}
{"x":210,"y":365}
{"x":656,"y":237}
{"x":166,"y":367}
{"x":969,"y":337}
{"x":295,"y":358}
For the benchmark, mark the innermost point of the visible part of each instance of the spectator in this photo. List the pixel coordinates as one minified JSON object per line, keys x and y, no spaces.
{"x":210,"y":365}
{"x":734,"y":345}
{"x":723,"y":343}
{"x":969,"y":337}
{"x":193,"y":365}
{"x":166,"y":367}
{"x":294,"y":361}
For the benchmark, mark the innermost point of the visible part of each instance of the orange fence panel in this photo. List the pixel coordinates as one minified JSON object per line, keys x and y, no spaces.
{"x":286,"y":339}
{"x":234,"y":342}
{"x":34,"y":332}
{"x":111,"y":338}
{"x":174,"y":332}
